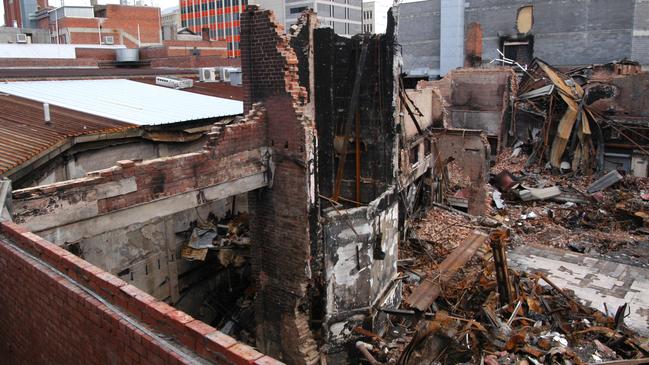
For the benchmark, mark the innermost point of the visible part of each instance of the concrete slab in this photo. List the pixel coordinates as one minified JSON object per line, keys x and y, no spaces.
{"x":594,"y":281}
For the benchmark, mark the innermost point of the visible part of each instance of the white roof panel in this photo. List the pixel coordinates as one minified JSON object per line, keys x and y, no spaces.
{"x":125,"y":100}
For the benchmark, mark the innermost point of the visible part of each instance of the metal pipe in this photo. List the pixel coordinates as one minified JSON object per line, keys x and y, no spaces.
{"x":358,"y":157}
{"x":46,"y":113}
{"x":364,"y":349}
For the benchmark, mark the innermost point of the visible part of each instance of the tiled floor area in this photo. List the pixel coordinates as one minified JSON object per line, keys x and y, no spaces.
{"x":594,"y":281}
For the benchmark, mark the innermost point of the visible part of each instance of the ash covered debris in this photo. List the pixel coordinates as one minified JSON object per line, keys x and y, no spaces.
{"x":529,"y":245}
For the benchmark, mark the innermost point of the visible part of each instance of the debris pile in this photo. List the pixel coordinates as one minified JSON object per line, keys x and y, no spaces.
{"x":571,"y":122}
{"x":221,"y":292}
{"x":471,"y":308}
{"x":227,"y":238}
{"x":577,"y":212}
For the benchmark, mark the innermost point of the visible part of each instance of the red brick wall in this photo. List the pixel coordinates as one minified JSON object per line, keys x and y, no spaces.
{"x":207,"y":48}
{"x":193,"y":61}
{"x":282,"y":218}
{"x":185,"y":48}
{"x":118,"y":19}
{"x":248,"y":134}
{"x":47,"y":62}
{"x":96,"y":54}
{"x":46,"y":319}
{"x":128,"y":18}
{"x":153,"y":52}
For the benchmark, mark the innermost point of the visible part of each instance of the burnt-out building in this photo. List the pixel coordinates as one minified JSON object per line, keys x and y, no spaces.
{"x":282,"y":232}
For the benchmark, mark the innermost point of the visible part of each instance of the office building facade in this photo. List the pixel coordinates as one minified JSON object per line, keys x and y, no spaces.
{"x":221,"y":17}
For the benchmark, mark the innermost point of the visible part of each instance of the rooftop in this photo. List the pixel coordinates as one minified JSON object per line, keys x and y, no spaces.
{"x":24,"y":134}
{"x":125,"y":100}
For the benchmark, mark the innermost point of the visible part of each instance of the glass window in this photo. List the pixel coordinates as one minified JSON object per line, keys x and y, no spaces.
{"x":298,"y":9}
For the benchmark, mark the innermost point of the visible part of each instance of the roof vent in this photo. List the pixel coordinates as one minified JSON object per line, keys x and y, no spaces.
{"x":46,"y":113}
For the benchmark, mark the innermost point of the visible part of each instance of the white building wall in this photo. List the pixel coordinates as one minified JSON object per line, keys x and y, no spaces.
{"x":452,"y":35}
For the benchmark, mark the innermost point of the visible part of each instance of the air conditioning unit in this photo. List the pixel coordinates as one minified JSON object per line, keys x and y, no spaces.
{"x":209,"y":74}
{"x":21,"y":38}
{"x":109,"y":39}
{"x":225,"y":73}
{"x":174,"y":82}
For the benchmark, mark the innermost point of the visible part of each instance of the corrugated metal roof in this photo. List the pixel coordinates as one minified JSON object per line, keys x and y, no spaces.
{"x":24,"y":134}
{"x":125,"y":100}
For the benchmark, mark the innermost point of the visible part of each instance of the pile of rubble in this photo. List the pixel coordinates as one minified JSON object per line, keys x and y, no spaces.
{"x":470,"y":308}
{"x":223,"y":294}
{"x":464,"y":305}
{"x":570,"y":211}
{"x":573,"y":118}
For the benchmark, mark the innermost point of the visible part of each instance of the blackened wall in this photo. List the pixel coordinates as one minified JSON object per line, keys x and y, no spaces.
{"x":336,"y":60}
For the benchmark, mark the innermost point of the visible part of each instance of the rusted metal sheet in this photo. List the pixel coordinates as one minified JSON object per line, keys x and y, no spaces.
{"x":24,"y":133}
{"x":426,"y":293}
{"x":604,"y":182}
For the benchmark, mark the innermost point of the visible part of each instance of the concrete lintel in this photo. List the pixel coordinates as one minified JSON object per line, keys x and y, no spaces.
{"x":5,"y":200}
{"x":141,"y":213}
{"x":71,"y":210}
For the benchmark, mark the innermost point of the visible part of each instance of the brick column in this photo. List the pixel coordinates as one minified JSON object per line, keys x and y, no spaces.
{"x":284,"y":217}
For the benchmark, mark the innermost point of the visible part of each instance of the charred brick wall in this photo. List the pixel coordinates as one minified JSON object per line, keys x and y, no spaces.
{"x":148,"y":181}
{"x":50,"y":319}
{"x":565,"y":33}
{"x":235,"y":158}
{"x":283,"y":218}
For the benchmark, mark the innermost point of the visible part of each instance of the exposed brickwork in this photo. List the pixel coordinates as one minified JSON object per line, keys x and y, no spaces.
{"x":95,"y":54}
{"x":155,"y":178}
{"x":247,"y":134}
{"x":48,"y":319}
{"x":267,"y":51}
{"x":177,"y":48}
{"x":283,"y":219}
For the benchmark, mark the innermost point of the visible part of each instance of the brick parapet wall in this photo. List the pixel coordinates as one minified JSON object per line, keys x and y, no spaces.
{"x":96,"y":54}
{"x":48,"y":319}
{"x":46,"y":62}
{"x":246,"y":134}
{"x":192,"y":61}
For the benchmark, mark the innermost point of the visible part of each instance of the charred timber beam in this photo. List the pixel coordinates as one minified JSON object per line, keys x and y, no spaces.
{"x":498,"y":243}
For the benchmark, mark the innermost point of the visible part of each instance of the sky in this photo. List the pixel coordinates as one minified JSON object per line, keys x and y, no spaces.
{"x":163,"y":4}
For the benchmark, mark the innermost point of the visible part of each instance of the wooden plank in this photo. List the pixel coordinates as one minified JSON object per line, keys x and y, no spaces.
{"x":426,"y":293}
